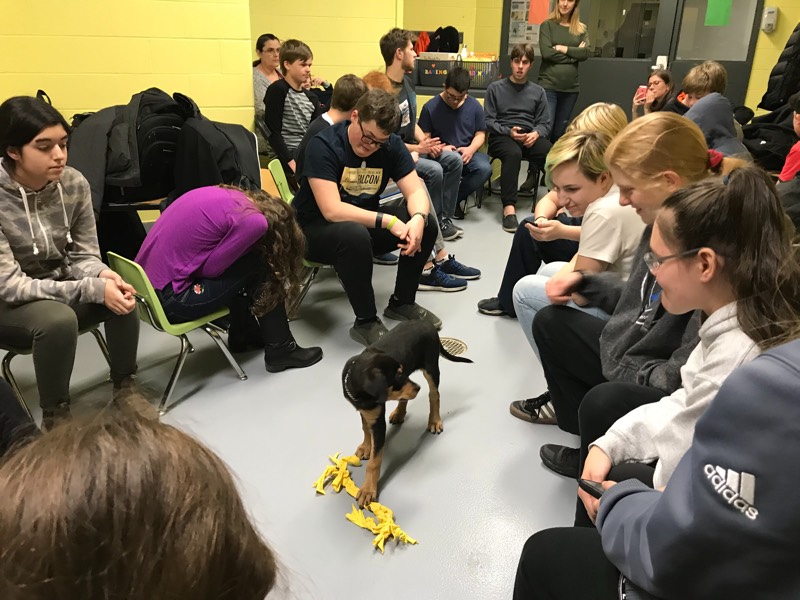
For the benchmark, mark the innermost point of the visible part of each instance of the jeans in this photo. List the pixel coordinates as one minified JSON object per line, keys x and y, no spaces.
{"x":530,"y":297}
{"x":442,"y":176}
{"x":560,"y":105}
{"x":474,"y":174}
{"x":527,"y":255}
{"x":231,"y":289}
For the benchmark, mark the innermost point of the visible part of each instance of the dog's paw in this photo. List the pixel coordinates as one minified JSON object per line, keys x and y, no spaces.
{"x":397,"y":416}
{"x":363,"y":451}
{"x":435,"y":426}
{"x":366,"y":495}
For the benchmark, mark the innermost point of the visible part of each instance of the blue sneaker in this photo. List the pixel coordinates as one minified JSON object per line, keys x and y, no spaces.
{"x":455,"y":269}
{"x":438,"y":281}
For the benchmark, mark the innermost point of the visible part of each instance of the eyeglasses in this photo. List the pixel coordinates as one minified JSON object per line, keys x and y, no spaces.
{"x":370,"y":141}
{"x":454,"y":99}
{"x":653,"y":261}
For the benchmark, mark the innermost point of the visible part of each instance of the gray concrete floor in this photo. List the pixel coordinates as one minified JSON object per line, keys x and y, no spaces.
{"x":471,"y":496}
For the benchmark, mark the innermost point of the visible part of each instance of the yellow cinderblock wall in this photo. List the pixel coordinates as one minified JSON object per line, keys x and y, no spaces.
{"x":342,"y":34}
{"x":768,"y":48}
{"x":88,"y":54}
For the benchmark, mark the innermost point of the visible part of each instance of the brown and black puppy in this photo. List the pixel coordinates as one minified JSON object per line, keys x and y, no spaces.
{"x":380,"y":373}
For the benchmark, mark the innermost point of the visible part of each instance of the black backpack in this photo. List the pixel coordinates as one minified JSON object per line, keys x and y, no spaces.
{"x":142,"y":146}
{"x":769,"y":138}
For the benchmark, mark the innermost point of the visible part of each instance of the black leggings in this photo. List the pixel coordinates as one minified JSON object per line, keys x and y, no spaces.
{"x":527,"y":255}
{"x":568,"y":563}
{"x":569,"y":347}
{"x":600,"y":409}
{"x":349,"y":247}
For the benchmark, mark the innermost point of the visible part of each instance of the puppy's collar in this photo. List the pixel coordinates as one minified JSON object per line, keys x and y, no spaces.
{"x":346,"y":389}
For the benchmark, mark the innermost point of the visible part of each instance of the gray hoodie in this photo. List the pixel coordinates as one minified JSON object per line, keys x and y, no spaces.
{"x":714,"y":116}
{"x":48,"y":242}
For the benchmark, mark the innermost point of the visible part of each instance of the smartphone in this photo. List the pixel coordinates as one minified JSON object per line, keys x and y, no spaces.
{"x":521,"y":129}
{"x":593,"y":488}
{"x":641,"y":90}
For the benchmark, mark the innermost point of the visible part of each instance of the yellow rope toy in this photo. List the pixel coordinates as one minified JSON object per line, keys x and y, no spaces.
{"x":338,"y":475}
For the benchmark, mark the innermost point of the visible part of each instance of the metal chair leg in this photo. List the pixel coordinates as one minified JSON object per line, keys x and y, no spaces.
{"x":9,"y":377}
{"x":294,"y":304}
{"x":101,"y":341}
{"x":214,"y":334}
{"x":175,"y":373}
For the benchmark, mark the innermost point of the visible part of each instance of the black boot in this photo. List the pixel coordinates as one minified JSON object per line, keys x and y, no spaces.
{"x":288,"y":355}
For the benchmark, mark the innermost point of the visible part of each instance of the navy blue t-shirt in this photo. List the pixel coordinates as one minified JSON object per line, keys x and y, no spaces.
{"x":361,"y":181}
{"x":454,"y":127}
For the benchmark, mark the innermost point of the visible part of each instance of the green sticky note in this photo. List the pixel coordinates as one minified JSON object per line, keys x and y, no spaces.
{"x":718,"y":13}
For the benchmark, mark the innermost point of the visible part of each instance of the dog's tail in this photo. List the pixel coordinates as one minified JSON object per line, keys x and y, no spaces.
{"x":443,"y":351}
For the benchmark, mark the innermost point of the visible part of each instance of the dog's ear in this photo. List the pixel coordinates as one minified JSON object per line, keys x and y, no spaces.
{"x":375,"y":384}
{"x":400,"y":378}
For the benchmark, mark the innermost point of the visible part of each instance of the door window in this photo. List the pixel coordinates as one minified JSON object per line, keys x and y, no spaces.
{"x":621,"y":28}
{"x":730,"y":42}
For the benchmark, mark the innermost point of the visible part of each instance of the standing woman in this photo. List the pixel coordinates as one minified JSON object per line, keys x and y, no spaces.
{"x":221,"y":246}
{"x":563,"y":44}
{"x":52,"y":281}
{"x":265,"y":71}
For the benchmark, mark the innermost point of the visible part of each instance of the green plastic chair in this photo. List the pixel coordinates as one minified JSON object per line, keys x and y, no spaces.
{"x":311,"y":268}
{"x":13,"y":350}
{"x":151,"y":311}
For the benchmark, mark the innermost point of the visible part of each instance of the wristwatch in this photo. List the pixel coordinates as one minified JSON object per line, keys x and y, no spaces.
{"x":423,"y":215}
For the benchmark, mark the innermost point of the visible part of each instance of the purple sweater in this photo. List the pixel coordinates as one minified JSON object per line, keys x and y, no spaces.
{"x":199,"y":236}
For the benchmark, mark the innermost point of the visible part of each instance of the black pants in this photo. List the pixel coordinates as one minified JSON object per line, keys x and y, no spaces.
{"x":568,"y":562}
{"x":565,"y":563}
{"x":15,"y":425}
{"x":349,"y":247}
{"x":569,"y":347}
{"x":511,"y":154}
{"x":527,"y":255}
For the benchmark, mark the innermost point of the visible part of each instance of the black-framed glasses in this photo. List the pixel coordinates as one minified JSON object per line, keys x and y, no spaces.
{"x":454,"y":99}
{"x":653,"y":261}
{"x":370,"y":141}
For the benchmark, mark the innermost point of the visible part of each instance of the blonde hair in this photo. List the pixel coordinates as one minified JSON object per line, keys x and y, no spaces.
{"x":600,"y":116}
{"x":706,"y":78}
{"x":586,"y":148}
{"x":118,"y":505}
{"x":661,"y":142}
{"x":575,"y":25}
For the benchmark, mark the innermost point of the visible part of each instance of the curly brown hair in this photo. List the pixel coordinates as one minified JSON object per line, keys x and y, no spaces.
{"x":281,"y":249}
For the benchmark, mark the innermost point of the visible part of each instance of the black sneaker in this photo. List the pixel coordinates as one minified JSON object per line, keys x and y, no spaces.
{"x":459,"y":212}
{"x":561,"y":459}
{"x":535,"y":410}
{"x":386,"y":259}
{"x":491,"y":306}
{"x":449,"y":231}
{"x":368,"y":333}
{"x":510,"y":223}
{"x":411,"y":312}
